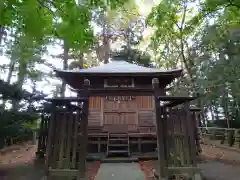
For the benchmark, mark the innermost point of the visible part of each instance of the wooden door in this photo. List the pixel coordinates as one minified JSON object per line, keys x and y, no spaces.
{"x":94,"y":119}
{"x":146,"y":115}
{"x":119,"y":113}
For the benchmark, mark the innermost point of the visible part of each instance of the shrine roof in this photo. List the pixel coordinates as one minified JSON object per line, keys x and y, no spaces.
{"x":120,"y":67}
{"x":116,"y":68}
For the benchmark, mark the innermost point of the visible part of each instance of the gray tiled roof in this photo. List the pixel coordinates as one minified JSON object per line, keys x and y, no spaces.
{"x":121,"y":67}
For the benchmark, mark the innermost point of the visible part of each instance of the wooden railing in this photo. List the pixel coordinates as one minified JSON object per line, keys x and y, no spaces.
{"x":223,"y":137}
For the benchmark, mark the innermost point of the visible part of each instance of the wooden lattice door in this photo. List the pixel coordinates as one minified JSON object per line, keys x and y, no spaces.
{"x":119,"y":113}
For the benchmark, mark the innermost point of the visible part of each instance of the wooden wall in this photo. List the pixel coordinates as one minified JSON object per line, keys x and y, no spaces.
{"x":144,"y":110}
{"x":95,"y":112}
{"x":146,"y":115}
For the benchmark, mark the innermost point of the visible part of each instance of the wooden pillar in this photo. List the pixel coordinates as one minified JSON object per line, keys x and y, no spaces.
{"x":237,"y":138}
{"x":45,"y":132}
{"x":84,"y":133}
{"x":50,"y":136}
{"x":190,"y":133}
{"x":39,"y":153}
{"x":160,"y":132}
{"x":198,"y":132}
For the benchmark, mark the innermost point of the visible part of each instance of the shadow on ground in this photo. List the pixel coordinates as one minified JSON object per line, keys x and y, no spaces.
{"x":22,"y":172}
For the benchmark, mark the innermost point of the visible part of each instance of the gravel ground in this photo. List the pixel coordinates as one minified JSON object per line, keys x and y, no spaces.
{"x":18,"y":163}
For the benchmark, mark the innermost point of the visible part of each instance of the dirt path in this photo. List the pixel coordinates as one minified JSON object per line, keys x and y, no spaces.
{"x":220,"y":164}
{"x":18,"y":163}
{"x":215,"y":170}
{"x":17,"y":154}
{"x":216,"y":164}
{"x":211,"y":152}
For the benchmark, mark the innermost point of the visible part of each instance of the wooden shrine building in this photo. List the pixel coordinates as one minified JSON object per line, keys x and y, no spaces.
{"x":126,"y":116}
{"x":121,"y":109}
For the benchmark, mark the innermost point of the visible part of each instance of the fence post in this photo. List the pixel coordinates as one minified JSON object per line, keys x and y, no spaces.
{"x":225,"y":136}
{"x":34,"y":137}
{"x":213,"y":134}
{"x":237,"y":138}
{"x":230,"y":137}
{"x":84,"y":133}
{"x":160,"y":131}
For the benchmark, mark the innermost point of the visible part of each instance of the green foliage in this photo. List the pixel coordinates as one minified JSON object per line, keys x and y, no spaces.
{"x":40,"y":19}
{"x":135,"y":56}
{"x":16,"y":123}
{"x":26,"y":29}
{"x":205,"y":42}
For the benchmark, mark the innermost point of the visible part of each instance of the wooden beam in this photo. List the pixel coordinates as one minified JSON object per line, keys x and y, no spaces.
{"x":181,"y":170}
{"x":174,"y":101}
{"x":118,"y":92}
{"x":84,"y":134}
{"x":191,"y":134}
{"x":176,"y":98}
{"x":63,"y":172}
{"x":50,"y":138}
{"x":63,"y":100}
{"x":160,"y":131}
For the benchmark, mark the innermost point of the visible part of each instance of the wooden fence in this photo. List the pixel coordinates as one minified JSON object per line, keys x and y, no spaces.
{"x":222,"y":137}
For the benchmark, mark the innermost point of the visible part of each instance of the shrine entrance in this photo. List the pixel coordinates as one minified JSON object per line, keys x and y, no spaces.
{"x":67,"y":137}
{"x":119,"y":114}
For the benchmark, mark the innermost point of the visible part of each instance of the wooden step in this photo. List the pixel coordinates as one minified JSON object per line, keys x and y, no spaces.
{"x":118,"y":135}
{"x":118,"y":145}
{"x":118,"y":139}
{"x":118,"y":151}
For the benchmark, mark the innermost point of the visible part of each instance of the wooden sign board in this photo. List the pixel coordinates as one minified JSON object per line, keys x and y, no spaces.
{"x":120,"y":98}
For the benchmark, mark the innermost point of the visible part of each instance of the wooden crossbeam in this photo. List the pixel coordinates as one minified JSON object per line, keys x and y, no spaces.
{"x":63,"y":172}
{"x":63,"y":100}
{"x":175,"y":100}
{"x":180,"y":170}
{"x":118,"y":91}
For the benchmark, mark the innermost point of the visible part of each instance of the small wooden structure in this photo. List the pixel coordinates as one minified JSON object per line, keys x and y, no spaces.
{"x":125,"y":110}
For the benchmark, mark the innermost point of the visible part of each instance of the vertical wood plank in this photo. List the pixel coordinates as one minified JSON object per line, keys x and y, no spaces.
{"x":50,"y":136}
{"x":61,"y":140}
{"x":55,"y":140}
{"x":40,"y":135}
{"x":75,"y":138}
{"x":69,"y":138}
{"x":102,"y":111}
{"x":45,"y":132}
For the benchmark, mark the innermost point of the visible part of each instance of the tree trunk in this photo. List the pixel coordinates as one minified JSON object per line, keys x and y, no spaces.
{"x":225,"y":107}
{"x":2,"y":34}
{"x":9,"y":77}
{"x":22,"y":71}
{"x":65,"y":67}
{"x":212,"y":112}
{"x":103,"y":51}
